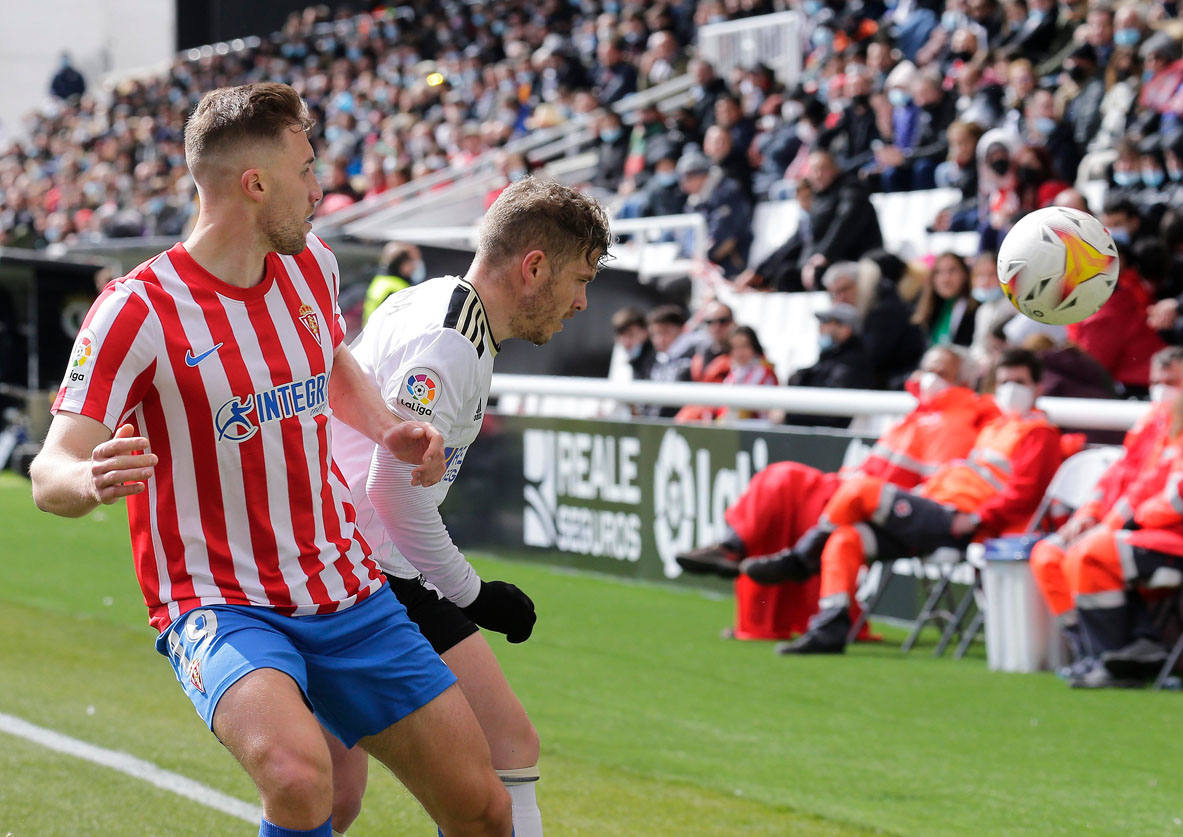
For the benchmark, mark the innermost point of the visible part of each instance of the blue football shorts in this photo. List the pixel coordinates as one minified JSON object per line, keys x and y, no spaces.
{"x":360,"y":669}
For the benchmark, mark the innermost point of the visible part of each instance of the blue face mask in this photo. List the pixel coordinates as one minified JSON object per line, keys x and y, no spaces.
{"x":898,"y":98}
{"x":825,"y":341}
{"x":1121,"y":235}
{"x":1147,"y":75}
{"x":419,"y":273}
{"x":1154,"y":177}
{"x":610,"y":135}
{"x":665,"y":178}
{"x":1044,"y":125}
{"x":1126,"y":178}
{"x":811,"y":7}
{"x":821,"y":37}
{"x":1126,"y":37}
{"x":984,"y":295}
{"x":1175,"y":175}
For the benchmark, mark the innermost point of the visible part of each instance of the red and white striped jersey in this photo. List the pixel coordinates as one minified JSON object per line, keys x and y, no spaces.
{"x":230,"y":386}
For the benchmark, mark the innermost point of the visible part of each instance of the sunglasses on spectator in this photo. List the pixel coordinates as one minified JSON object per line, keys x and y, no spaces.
{"x":718,"y":321}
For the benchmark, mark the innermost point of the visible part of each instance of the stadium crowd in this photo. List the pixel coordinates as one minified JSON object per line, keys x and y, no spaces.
{"x":1015,"y":104}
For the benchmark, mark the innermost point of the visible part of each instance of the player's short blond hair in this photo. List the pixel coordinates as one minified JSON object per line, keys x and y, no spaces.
{"x":229,"y":117}
{"x":535,"y":214}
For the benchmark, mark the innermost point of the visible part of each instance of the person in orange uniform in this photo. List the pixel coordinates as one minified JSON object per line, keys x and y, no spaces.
{"x":1143,"y":439}
{"x":1138,"y":543}
{"x":995,"y":489}
{"x":783,"y":502}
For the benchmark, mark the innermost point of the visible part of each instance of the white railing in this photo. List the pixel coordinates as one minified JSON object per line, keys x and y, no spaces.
{"x":773,"y":40}
{"x":1083,"y":413}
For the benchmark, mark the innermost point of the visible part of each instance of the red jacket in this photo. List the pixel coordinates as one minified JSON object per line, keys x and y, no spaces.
{"x":1004,"y":477}
{"x":933,"y":434}
{"x":1139,"y":443}
{"x":1118,"y":336}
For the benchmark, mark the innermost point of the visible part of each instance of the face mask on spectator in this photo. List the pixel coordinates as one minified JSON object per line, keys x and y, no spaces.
{"x":1000,"y":166}
{"x":930,"y":386}
{"x":1153,"y":177}
{"x":516,"y":174}
{"x":1126,"y":178}
{"x":610,"y":135}
{"x":791,"y":111}
{"x":984,"y":295}
{"x":1126,"y":37}
{"x":1174,"y":174}
{"x":665,"y":178}
{"x":898,"y":98}
{"x":418,"y":273}
{"x":1121,"y":235}
{"x":1036,"y":16}
{"x":811,"y":7}
{"x":825,"y":341}
{"x":1044,"y":125}
{"x":1147,"y":75}
{"x":1014,"y":398}
{"x":951,"y":20}
{"x":1163,"y":393}
{"x":821,"y":37}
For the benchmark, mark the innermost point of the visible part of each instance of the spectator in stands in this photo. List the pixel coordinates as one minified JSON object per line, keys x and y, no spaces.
{"x":842,"y":225}
{"x":717,"y":146}
{"x":662,"y":60}
{"x":724,"y":205}
{"x":919,"y":142}
{"x":780,"y":507}
{"x":67,"y":82}
{"x":662,"y":194}
{"x":842,"y":361}
{"x":1084,"y":87}
{"x":632,"y":334}
{"x":994,"y":490}
{"x":946,"y":308}
{"x":893,"y":343}
{"x":1069,"y":371}
{"x":705,"y":91}
{"x":615,"y":76}
{"x":730,"y":117}
{"x":1140,"y":445}
{"x":993,"y":310}
{"x":711,"y":360}
{"x":400,"y":266}
{"x":748,"y":367}
{"x":851,"y":139}
{"x":611,"y":152}
{"x":1034,"y":37}
{"x":673,"y":349}
{"x":959,"y":171}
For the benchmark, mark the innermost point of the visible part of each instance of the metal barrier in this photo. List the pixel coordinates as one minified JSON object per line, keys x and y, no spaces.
{"x":774,"y":40}
{"x":1083,"y":413}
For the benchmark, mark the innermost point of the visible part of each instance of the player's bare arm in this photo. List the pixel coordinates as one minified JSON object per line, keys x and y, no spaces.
{"x":82,"y":465}
{"x":357,"y":402}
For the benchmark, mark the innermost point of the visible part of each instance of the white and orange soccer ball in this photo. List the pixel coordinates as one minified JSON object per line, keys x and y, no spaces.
{"x":1058,"y":265}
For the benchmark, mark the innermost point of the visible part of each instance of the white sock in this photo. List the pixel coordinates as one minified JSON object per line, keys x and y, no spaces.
{"x":520,"y":781}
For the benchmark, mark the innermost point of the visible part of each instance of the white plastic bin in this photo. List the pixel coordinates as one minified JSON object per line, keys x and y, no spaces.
{"x":1020,"y":632}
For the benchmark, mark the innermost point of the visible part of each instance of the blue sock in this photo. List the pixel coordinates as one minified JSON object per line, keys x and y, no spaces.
{"x":270,"y":829}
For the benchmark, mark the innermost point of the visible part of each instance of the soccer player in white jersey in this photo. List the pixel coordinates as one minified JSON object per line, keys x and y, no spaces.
{"x":430,"y":350}
{"x":200,"y":388}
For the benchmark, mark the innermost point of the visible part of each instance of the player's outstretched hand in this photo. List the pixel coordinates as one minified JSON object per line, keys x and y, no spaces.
{"x":502,"y":607}
{"x":121,"y":465}
{"x":418,"y":443}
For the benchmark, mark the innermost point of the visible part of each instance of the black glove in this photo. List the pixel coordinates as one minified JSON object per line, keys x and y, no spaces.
{"x":502,"y":607}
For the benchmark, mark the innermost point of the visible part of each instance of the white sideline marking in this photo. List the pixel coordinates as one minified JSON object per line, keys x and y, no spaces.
{"x":132,"y":766}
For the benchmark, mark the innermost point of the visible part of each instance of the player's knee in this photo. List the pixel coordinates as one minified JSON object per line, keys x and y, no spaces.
{"x":346,"y":807}
{"x":525,"y":746}
{"x":1045,"y":555}
{"x":484,"y":814}
{"x":293,"y":777}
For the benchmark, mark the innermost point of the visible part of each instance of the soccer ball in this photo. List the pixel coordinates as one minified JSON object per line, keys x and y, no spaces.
{"x":1058,"y":265}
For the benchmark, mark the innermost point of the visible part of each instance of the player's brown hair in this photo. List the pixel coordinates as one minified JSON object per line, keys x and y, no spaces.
{"x":535,"y":214}
{"x":230,"y":116}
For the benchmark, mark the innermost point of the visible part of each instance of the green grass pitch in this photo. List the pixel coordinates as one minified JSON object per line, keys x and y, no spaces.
{"x":650,"y":725}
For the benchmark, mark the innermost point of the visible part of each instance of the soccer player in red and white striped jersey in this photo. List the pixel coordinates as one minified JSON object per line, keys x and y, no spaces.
{"x":200,"y":388}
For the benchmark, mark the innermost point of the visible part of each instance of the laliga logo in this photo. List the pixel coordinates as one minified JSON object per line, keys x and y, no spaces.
{"x":421,"y":388}
{"x":83,"y":351}
{"x":233,"y":419}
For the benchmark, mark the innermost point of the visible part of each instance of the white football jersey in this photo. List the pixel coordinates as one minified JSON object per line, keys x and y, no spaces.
{"x":430,"y":352}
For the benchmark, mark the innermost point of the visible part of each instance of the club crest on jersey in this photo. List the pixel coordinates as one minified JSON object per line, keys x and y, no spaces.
{"x":239,"y":418}
{"x":80,"y":358}
{"x":420,"y":390}
{"x":310,"y":321}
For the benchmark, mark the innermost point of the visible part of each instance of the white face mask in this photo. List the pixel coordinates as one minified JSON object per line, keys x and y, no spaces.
{"x":1163,"y":393}
{"x":1014,"y":398}
{"x":931,"y":385}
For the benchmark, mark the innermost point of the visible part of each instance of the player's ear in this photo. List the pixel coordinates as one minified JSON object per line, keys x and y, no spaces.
{"x":535,"y":268}
{"x":252,"y":184}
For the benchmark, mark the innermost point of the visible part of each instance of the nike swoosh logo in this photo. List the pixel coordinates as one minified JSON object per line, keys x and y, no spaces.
{"x":191,"y":360}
